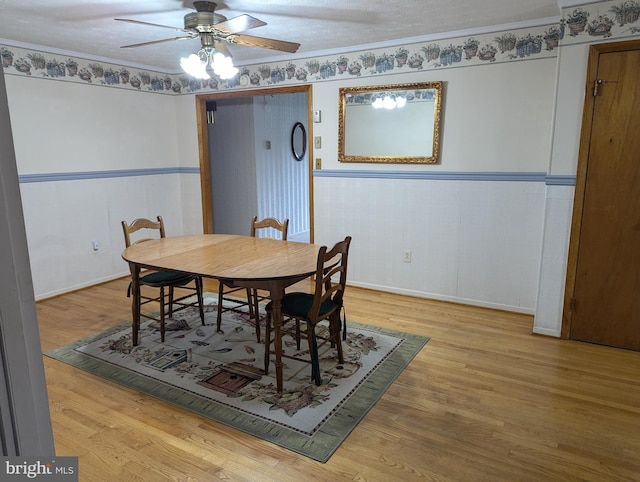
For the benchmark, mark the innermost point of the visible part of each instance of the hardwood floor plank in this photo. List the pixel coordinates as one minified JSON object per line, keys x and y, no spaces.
{"x":484,"y":400}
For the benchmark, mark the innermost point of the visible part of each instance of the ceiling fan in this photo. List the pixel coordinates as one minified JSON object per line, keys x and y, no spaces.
{"x":216,"y":30}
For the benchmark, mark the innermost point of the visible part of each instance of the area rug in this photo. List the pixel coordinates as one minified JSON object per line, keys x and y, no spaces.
{"x":220,"y":375}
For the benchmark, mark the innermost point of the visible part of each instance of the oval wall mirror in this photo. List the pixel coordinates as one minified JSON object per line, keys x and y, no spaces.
{"x":298,"y":141}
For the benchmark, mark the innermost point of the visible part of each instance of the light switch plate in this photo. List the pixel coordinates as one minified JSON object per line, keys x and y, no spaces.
{"x":316,"y":116}
{"x":317,"y":142}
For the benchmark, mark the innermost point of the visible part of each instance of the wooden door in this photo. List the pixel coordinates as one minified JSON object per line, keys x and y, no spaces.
{"x":604,"y":307}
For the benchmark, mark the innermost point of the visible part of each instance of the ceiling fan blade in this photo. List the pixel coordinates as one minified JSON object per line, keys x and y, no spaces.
{"x":150,"y":24}
{"x":239,"y":24}
{"x":221,"y":47}
{"x":265,"y":43}
{"x":157,"y":42}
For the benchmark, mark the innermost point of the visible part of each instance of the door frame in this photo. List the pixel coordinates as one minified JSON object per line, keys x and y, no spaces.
{"x":203,"y":144}
{"x":581,"y":175}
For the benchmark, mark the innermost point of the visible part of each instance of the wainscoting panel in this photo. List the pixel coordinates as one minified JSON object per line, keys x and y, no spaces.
{"x":63,"y":218}
{"x":553,"y":269}
{"x":476,"y":242}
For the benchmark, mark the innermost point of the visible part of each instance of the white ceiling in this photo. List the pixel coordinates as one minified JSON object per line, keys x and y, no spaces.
{"x":87,"y":27}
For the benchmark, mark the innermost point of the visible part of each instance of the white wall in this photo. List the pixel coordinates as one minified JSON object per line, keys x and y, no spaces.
{"x":188,"y":158}
{"x":495,"y":117}
{"x":486,"y":226}
{"x":572,"y":68}
{"x":66,"y":127}
{"x":472,"y":241}
{"x":89,"y":134}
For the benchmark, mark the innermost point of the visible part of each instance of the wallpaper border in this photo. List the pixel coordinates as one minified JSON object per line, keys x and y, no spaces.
{"x":500,"y":46}
{"x":591,"y":22}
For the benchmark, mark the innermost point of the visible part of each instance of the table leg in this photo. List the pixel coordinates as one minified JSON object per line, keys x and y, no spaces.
{"x":135,"y":303}
{"x":276,"y":313}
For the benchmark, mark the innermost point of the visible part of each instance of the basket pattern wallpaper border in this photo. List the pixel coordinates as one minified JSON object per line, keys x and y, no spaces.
{"x":594,"y":22}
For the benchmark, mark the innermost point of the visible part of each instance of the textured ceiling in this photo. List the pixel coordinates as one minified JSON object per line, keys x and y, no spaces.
{"x":88,"y":27}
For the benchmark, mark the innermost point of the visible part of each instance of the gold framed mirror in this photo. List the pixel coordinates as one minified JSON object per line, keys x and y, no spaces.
{"x":397,"y":123}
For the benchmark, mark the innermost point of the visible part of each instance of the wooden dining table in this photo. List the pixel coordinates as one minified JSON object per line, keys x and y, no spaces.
{"x":262,"y":263}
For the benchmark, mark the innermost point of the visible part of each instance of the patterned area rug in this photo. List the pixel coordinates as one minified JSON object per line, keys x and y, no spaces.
{"x":220,"y":376}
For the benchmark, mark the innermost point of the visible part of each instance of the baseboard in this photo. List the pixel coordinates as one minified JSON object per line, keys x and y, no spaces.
{"x":450,"y":299}
{"x":546,"y":332}
{"x":418,"y":294}
{"x":71,"y":289}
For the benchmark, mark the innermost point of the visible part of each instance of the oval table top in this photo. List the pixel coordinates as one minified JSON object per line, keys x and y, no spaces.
{"x":226,"y":256}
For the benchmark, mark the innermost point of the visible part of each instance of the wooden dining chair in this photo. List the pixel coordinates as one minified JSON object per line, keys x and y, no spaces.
{"x":253,"y":297}
{"x":162,"y":280}
{"x":325,"y":303}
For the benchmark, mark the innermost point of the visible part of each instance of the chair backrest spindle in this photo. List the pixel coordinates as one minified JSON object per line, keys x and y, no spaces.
{"x":330,"y":263}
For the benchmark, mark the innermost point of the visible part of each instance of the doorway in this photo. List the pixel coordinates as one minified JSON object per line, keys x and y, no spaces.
{"x":603,"y":279}
{"x":264,"y":99}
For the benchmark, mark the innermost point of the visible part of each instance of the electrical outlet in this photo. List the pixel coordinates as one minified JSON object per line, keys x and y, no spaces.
{"x":407,"y":256}
{"x":318,"y":163}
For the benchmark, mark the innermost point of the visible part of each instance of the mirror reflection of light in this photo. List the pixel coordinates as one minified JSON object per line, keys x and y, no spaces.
{"x":377,"y":104}
{"x":389,"y":101}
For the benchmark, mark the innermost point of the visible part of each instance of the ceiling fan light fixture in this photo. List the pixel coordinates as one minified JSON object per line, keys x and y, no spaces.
{"x":194,"y":66}
{"x":223,"y":66}
{"x":208,"y":59}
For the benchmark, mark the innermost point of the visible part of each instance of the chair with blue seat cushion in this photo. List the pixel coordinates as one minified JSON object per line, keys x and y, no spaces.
{"x":162,"y":280}
{"x":325,"y":303}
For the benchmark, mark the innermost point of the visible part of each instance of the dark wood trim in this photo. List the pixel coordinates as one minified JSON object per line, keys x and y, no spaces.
{"x":310,"y":158}
{"x":205,"y":171}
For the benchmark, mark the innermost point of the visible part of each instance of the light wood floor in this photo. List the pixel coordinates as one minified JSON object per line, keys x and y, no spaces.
{"x":484,"y":400}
